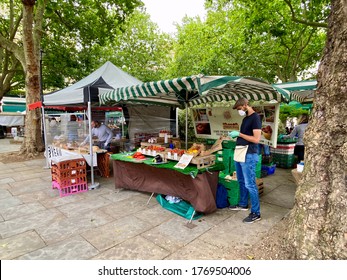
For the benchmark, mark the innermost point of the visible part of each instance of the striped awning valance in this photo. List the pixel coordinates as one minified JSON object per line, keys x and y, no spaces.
{"x":201,"y":89}
{"x":301,"y":91}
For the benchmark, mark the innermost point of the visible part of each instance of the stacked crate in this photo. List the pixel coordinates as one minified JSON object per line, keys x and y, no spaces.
{"x":233,"y":190}
{"x":283,"y":155}
{"x":69,"y":176}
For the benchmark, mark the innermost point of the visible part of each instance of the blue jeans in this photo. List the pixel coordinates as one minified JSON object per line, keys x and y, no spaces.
{"x":245,"y":172}
{"x":266,"y":149}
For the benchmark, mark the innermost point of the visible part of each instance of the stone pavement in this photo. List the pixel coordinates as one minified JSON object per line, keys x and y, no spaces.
{"x":37,"y":224}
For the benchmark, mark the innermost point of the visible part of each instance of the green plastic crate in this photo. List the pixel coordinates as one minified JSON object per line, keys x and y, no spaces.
{"x":227,"y":144}
{"x":233,"y":190}
{"x":181,"y":208}
{"x":284,"y":161}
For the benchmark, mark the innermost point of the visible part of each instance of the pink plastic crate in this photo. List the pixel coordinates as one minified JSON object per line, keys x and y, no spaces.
{"x":76,"y":188}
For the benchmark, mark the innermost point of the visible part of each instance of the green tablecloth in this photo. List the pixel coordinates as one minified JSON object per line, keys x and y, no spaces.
{"x":189,"y":170}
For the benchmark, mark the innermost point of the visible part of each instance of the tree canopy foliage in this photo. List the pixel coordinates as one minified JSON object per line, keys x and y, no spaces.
{"x":249,"y":38}
{"x":67,"y":32}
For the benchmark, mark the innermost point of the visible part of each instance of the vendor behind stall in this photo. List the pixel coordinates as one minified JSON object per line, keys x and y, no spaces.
{"x":103,"y":133}
{"x":72,"y":129}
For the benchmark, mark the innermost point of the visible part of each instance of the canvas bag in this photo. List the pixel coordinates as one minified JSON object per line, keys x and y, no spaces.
{"x":240,"y":153}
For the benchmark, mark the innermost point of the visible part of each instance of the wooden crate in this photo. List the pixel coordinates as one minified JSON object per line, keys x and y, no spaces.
{"x":204,"y":161}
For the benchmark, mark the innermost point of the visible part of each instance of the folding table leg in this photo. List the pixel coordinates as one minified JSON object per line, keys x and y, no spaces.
{"x":190,"y":224}
{"x":150,"y":198}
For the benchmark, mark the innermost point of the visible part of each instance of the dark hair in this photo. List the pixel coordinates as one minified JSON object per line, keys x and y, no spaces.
{"x":73,"y":118}
{"x":241,"y":102}
{"x":303,"y":119}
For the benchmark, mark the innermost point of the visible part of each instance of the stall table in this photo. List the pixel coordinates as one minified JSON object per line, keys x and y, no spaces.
{"x":101,"y":159}
{"x":198,"y":187}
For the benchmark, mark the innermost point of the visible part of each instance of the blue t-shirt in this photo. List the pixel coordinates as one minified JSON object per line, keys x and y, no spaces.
{"x":248,"y":124}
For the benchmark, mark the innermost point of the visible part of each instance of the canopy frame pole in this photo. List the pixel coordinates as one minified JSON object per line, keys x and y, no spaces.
{"x":45,"y":136}
{"x":93,"y":184}
{"x":186,"y":136}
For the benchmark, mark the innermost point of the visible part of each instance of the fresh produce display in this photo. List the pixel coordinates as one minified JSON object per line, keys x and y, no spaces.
{"x":138,"y":155}
{"x":196,"y":149}
{"x":179,"y":152}
{"x":267,"y":132}
{"x":156,"y":148}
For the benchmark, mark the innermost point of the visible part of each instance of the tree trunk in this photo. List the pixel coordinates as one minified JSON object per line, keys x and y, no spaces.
{"x":33,"y":142}
{"x":317,"y":223}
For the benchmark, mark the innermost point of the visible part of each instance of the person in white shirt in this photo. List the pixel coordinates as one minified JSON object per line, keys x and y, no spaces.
{"x":103,"y":133}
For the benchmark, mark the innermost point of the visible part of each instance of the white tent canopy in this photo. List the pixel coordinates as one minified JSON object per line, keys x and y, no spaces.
{"x":106,"y":78}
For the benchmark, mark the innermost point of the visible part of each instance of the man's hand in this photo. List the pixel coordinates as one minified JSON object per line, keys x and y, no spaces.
{"x":234,"y":134}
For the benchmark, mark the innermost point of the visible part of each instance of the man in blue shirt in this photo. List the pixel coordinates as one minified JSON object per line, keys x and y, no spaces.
{"x":249,"y":135}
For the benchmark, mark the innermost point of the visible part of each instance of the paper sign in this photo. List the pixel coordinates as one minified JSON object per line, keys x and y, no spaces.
{"x":184,"y":161}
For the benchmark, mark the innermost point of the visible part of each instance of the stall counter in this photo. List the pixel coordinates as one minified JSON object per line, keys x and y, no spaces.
{"x":195,"y":186}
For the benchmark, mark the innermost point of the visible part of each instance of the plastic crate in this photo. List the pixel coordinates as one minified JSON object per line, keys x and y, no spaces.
{"x":233,"y":190}
{"x":69,"y":181}
{"x":69,"y":164}
{"x":69,"y":172}
{"x":287,"y":149}
{"x":72,"y":189}
{"x":284,"y":161}
{"x":181,"y":208}
{"x":270,"y":169}
{"x":226,"y":144}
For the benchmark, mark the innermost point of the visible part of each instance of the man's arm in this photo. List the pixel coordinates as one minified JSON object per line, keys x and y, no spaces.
{"x":255,"y":138}
{"x":110,"y":135}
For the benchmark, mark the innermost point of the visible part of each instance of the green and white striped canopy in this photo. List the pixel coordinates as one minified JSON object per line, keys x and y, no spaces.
{"x":194,"y":90}
{"x":302,"y":91}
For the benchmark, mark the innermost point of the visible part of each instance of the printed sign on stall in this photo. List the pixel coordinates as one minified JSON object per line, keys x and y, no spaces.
{"x":212,"y":123}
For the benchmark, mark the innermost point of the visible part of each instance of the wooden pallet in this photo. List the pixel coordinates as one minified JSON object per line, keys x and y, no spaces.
{"x":260,"y":184}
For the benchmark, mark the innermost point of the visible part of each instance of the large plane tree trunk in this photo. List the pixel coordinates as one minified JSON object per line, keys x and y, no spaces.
{"x":317,"y":223}
{"x":33,"y":142}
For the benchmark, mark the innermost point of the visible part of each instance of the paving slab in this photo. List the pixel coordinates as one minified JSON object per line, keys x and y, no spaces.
{"x":282,"y":196}
{"x":199,"y":250}
{"x":114,"y":233}
{"x":174,"y":234}
{"x":65,"y":227}
{"x":18,"y":245}
{"x":243,"y":235}
{"x":28,"y":222}
{"x":4,"y":193}
{"x":80,"y":207}
{"x":155,"y":215}
{"x":137,"y":248}
{"x":75,"y":248}
{"x":133,"y":205}
{"x":9,"y":202}
{"x":22,"y":210}
{"x":28,"y":186}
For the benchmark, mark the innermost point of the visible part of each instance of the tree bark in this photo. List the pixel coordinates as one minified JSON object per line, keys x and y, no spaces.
{"x":318,"y":221}
{"x":33,"y":142}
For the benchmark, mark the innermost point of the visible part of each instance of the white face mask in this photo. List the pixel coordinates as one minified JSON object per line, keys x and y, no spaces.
{"x":242,"y":113}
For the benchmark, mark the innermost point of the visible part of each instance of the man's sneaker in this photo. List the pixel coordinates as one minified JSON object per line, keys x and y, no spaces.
{"x":252,"y":218}
{"x":238,"y":208}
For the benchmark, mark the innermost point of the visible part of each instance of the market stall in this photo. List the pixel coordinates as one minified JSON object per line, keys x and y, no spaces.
{"x":196,"y":187}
